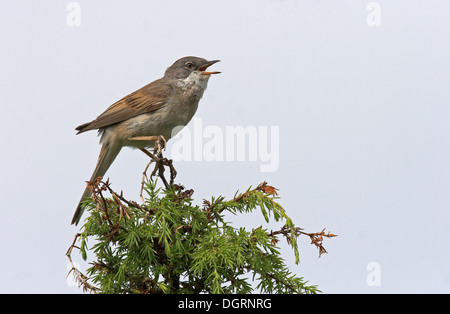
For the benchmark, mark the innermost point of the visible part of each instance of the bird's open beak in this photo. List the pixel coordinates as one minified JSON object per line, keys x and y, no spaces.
{"x":204,"y":67}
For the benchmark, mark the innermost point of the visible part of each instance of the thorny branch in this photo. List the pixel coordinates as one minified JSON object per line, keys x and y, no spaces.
{"x":79,"y":277}
{"x":316,"y":238}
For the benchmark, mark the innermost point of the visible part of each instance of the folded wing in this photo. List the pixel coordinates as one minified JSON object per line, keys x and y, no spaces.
{"x":146,"y":99}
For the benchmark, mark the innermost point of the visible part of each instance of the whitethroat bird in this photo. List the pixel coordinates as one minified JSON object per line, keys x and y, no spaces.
{"x":139,"y":119}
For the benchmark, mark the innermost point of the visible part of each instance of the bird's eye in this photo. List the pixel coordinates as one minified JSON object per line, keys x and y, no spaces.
{"x":189,"y":65}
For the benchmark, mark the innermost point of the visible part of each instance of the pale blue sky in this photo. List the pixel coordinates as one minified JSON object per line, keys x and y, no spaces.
{"x":363,"y":115}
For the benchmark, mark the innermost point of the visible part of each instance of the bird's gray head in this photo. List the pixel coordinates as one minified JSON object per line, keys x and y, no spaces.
{"x":184,"y":67}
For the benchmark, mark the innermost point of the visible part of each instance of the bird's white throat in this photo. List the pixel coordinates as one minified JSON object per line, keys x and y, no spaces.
{"x":194,"y":82}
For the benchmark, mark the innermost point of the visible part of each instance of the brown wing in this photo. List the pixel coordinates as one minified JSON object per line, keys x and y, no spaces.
{"x":149,"y":98}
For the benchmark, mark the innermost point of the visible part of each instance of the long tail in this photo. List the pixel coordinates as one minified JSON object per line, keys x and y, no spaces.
{"x":107,"y":155}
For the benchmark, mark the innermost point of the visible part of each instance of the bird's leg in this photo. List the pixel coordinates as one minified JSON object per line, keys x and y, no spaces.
{"x":160,"y":141}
